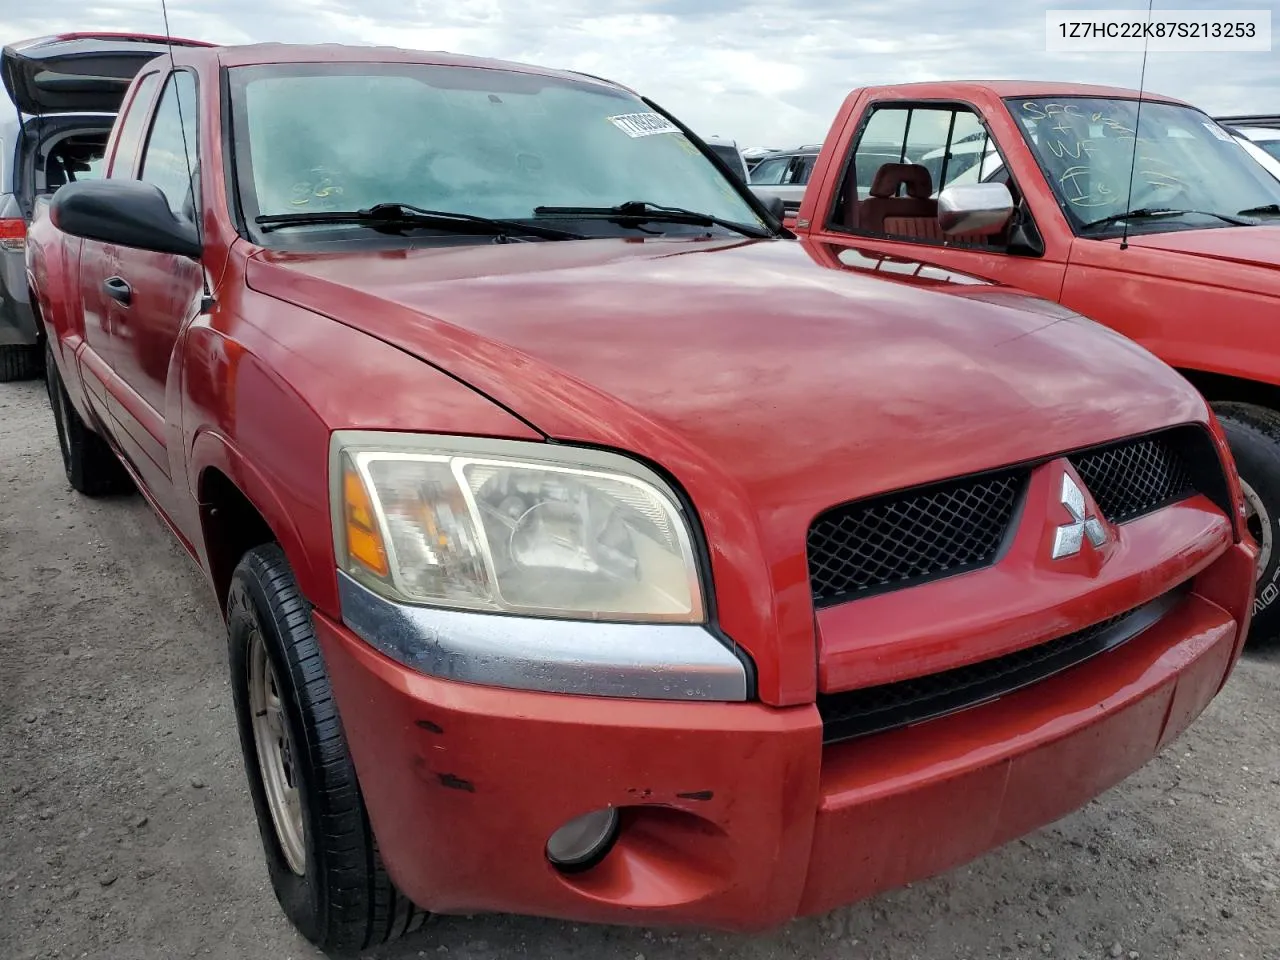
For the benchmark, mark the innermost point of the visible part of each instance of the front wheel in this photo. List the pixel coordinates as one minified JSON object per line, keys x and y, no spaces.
{"x":320,"y":849}
{"x":1254,"y":435}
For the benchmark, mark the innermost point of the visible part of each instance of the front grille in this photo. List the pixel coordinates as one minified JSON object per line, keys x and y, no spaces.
{"x":909,"y":537}
{"x":929,"y":533}
{"x":856,"y":713}
{"x":1134,"y":478}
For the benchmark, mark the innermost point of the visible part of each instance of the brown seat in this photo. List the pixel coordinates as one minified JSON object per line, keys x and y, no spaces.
{"x":883,"y":202}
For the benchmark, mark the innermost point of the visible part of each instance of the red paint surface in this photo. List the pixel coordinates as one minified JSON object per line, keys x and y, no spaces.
{"x":770,"y":380}
{"x":792,"y":827}
{"x":1168,"y":291}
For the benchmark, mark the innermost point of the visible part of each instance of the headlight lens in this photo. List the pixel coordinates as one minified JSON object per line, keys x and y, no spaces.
{"x":511,"y":527}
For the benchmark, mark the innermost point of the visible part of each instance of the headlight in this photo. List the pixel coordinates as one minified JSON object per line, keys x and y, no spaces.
{"x":511,"y":527}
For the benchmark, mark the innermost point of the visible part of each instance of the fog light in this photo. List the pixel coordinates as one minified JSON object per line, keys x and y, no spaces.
{"x":582,"y":841}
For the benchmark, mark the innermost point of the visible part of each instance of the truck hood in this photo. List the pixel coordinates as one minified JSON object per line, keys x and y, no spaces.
{"x":748,"y":356}
{"x":1253,"y":246}
{"x":770,"y":379}
{"x":800,"y":375}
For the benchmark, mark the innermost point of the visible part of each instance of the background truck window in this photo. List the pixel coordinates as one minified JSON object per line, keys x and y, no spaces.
{"x":770,"y":172}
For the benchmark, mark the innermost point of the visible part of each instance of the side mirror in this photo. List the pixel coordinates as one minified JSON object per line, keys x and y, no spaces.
{"x":126,"y":212}
{"x":775,"y":205}
{"x":981,"y":209}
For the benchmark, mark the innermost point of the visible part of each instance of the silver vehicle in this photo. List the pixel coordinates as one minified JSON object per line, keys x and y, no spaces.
{"x":1261,"y":129}
{"x":1260,"y":135}
{"x":784,"y":174}
{"x":728,"y":151}
{"x":44,"y":144}
{"x":754,"y":155}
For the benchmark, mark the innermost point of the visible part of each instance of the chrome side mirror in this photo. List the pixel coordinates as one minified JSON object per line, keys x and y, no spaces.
{"x":980,"y":209}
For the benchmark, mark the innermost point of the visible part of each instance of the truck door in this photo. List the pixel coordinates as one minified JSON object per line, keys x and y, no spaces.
{"x":902,"y":154}
{"x":97,"y":260}
{"x":147,"y":298}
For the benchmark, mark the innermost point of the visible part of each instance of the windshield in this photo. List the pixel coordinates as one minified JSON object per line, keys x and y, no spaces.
{"x":311,"y":138}
{"x":1185,"y":161}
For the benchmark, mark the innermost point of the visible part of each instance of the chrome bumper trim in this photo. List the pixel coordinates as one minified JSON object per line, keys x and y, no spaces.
{"x":667,"y":661}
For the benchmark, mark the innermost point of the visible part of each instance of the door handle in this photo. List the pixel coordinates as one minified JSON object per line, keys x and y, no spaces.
{"x":118,"y":289}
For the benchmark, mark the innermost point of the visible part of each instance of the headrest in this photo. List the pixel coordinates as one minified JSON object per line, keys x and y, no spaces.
{"x":892,"y":175}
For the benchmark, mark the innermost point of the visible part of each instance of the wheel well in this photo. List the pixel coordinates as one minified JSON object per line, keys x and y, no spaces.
{"x":1218,"y":387}
{"x":232,"y":526}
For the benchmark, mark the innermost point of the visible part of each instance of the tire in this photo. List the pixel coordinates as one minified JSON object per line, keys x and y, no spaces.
{"x":341,"y":898}
{"x":1254,"y":435}
{"x":19,"y":361}
{"x":91,"y":466}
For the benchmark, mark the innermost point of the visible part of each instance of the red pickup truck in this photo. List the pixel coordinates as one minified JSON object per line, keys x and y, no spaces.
{"x":1186,"y":261}
{"x":587,"y":547}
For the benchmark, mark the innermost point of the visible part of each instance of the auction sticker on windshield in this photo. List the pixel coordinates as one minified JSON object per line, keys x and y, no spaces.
{"x":643,"y":124}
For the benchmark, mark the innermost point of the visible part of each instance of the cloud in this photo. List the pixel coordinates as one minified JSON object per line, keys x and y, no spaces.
{"x":766,"y":73}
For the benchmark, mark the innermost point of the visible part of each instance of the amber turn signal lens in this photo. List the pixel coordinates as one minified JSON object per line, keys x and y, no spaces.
{"x":364,"y":542}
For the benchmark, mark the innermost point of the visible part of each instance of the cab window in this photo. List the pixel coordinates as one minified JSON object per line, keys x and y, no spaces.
{"x":124,"y":159}
{"x":170,"y":160}
{"x":904,"y":156}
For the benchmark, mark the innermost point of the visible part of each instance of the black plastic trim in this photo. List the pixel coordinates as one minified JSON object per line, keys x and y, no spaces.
{"x":130,"y":213}
{"x":1192,"y":442}
{"x":860,"y":713}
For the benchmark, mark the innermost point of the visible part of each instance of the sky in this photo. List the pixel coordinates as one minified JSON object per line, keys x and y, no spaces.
{"x":764,"y":73}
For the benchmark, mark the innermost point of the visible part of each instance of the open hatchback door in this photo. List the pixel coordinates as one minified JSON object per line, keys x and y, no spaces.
{"x":78,"y":72}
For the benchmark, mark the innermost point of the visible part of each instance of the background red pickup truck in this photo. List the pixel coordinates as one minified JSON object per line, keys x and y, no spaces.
{"x":600,"y":552}
{"x":1200,"y":289}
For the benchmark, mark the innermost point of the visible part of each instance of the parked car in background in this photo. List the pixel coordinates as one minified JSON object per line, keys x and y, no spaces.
{"x":600,"y":552}
{"x":1260,"y":129}
{"x":753,"y":155}
{"x":1260,"y":136}
{"x":56,"y":135}
{"x":727,"y":150}
{"x":1198,"y":238}
{"x":966,"y":169}
{"x":784,"y":174}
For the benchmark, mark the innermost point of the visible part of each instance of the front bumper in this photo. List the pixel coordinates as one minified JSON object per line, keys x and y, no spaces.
{"x":735,"y":815}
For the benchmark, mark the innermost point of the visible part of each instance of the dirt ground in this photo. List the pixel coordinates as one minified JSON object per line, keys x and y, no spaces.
{"x":126,"y":830}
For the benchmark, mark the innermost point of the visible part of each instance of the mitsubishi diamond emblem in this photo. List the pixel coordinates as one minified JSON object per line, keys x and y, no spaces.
{"x":1069,"y":537}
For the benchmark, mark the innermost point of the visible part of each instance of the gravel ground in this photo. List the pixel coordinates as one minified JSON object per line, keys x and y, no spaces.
{"x":126,"y":830}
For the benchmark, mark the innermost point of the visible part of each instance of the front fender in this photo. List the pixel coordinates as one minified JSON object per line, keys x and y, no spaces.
{"x":212,"y":451}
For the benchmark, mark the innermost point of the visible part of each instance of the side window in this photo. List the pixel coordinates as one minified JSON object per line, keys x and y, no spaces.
{"x":883,"y":141}
{"x":170,"y":159}
{"x":801,"y":169}
{"x":927,"y":141}
{"x":972,"y":156}
{"x":129,"y":138}
{"x":771,"y":171}
{"x":903,"y":158}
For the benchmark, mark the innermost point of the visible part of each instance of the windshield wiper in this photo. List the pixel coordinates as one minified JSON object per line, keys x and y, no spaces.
{"x":1151,"y":213}
{"x":400,"y":215}
{"x":643,"y":211}
{"x":1264,"y":209}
